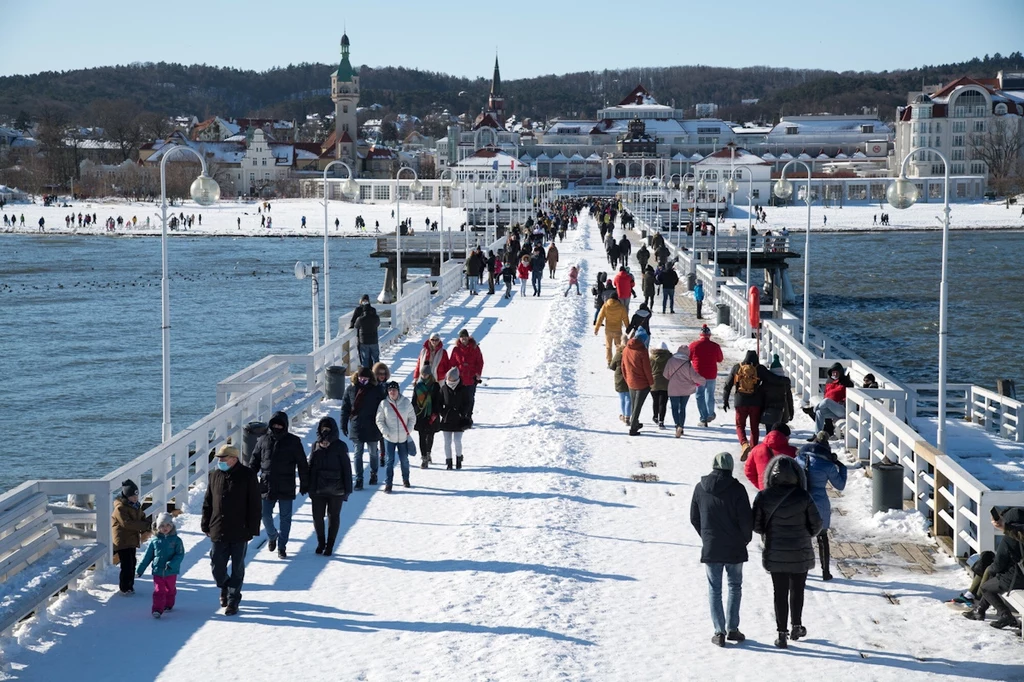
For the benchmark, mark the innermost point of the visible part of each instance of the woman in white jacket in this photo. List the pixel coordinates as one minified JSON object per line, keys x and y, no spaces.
{"x":396,"y":419}
{"x":683,"y":381}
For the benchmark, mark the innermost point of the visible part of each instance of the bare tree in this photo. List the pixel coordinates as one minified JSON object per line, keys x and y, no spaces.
{"x":121,"y":123}
{"x":1001,"y":147}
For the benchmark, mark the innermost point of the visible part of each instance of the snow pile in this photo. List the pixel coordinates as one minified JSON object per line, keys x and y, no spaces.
{"x":901,"y":522}
{"x":895,"y":525}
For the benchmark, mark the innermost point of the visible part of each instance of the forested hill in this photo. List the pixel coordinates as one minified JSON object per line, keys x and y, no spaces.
{"x":295,"y":90}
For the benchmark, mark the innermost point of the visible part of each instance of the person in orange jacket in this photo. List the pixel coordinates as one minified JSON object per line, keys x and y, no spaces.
{"x":636,"y":370}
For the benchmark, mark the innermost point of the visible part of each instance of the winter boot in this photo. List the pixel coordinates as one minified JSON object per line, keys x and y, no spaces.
{"x":830,"y":428}
{"x":358,"y":485}
{"x":319,"y":548}
{"x":424,"y":462}
{"x":1004,"y":620}
{"x":272,"y":544}
{"x":282,"y":553}
{"x":780,"y":641}
{"x":679,"y":431}
{"x":231,"y":610}
{"x":745,"y":451}
{"x":809,"y":411}
{"x":798,"y":632}
{"x":448,"y":464}
{"x":975,"y":614}
{"x":824,"y":555}
{"x":223,"y":596}
{"x":405,"y":483}
{"x":157,"y":614}
{"x":718,"y":639}
{"x":373,"y":479}
{"x":458,"y":462}
{"x":387,"y":488}
{"x":736,"y":636}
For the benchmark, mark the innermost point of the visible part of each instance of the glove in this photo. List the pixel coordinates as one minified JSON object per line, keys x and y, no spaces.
{"x":725,"y":406}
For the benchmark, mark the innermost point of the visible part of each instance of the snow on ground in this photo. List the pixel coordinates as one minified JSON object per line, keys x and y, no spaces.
{"x":920,"y":216}
{"x":996,"y":462}
{"x":541,"y":560}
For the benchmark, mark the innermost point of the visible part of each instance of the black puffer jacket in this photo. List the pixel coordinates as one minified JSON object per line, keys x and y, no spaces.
{"x":720,"y":513}
{"x":1005,"y":566}
{"x":787,"y":517}
{"x":764,"y":376}
{"x":454,"y":408}
{"x":359,"y":411}
{"x":330,"y":469}
{"x":276,"y":458}
{"x":669,"y":278}
{"x":366,"y":322}
{"x":778,"y":401}
{"x":231,"y":507}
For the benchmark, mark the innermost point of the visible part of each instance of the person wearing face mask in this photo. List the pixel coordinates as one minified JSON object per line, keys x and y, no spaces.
{"x":455,"y":415}
{"x":231,"y":518}
{"x":330,"y":483}
{"x":276,"y":457}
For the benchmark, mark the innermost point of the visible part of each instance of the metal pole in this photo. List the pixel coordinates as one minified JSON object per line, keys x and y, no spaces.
{"x":807,"y":258}
{"x":398,"y":239}
{"x":940,"y":440}
{"x":327,"y":268}
{"x":316,"y":322}
{"x":750,"y":210}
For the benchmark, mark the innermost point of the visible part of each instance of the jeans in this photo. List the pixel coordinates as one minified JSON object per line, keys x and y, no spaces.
{"x":660,"y":399}
{"x":637,"y":398}
{"x":625,"y":303}
{"x":371,"y":447}
{"x":625,"y":405}
{"x":569,"y":288}
{"x":126,"y":560}
{"x":753,"y":415}
{"x":285,"y":507}
{"x":369,"y":354}
{"x":536,"y":278}
{"x":668,"y":297}
{"x":472,"y":281}
{"x":700,"y":305}
{"x":828,"y":409}
{"x":508,"y":288}
{"x":329,"y":505}
{"x":403,"y":455}
{"x":678,"y":403}
{"x":734,"y":578}
{"x":449,"y":436}
{"x":522,"y":287}
{"x":164,"y":592}
{"x":789,"y":598}
{"x":220,"y":552}
{"x":706,"y":399}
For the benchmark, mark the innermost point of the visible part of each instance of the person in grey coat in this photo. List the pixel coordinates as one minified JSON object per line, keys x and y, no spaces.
{"x":787,"y":518}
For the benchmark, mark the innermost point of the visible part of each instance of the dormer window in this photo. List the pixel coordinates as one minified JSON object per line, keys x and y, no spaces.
{"x":792,"y":130}
{"x":867,"y":128}
{"x":1000,"y":109}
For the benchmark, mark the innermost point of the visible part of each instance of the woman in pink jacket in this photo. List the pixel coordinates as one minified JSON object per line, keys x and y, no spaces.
{"x":683,"y":381}
{"x":574,"y":281}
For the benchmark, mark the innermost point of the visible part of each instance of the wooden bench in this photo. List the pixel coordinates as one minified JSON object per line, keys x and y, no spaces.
{"x":29,"y":538}
{"x":1015,"y":598}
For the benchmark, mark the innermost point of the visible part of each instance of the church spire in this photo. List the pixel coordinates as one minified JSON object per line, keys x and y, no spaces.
{"x":496,"y":79}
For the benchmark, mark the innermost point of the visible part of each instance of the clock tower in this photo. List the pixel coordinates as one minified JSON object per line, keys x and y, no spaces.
{"x":345,"y":94}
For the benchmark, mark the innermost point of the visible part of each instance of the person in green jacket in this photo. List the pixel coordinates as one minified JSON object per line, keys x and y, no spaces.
{"x":165,"y":553}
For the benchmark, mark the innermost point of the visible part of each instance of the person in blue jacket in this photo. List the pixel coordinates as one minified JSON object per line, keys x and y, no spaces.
{"x":698,"y":296}
{"x":822,"y":467}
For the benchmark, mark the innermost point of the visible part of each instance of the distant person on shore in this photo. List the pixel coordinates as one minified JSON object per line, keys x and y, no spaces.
{"x":720,"y":512}
{"x":231,"y":518}
{"x":277,"y":457}
{"x":130,"y":528}
{"x":366,"y":322}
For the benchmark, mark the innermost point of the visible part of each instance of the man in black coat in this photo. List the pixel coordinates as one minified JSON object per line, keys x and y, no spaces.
{"x":358,"y":421}
{"x":720,"y":513}
{"x":231,"y":517}
{"x":537,"y":263}
{"x":366,"y":322}
{"x":276,"y":457}
{"x":474,"y":266}
{"x":1006,"y":572}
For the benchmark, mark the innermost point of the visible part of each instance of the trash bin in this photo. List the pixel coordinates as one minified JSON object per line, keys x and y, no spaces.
{"x":723,"y":313}
{"x":334,"y":382}
{"x":886,"y":487}
{"x":250,"y":434}
{"x":643,"y":234}
{"x":691,"y":281}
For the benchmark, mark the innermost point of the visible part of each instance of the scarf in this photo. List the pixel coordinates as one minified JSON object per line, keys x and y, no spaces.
{"x":423,"y":399}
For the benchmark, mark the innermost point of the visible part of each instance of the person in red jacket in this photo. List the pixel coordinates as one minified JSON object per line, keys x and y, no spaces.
{"x":433,"y":356}
{"x":636,"y":370}
{"x":833,"y":406}
{"x":775,"y":443}
{"x":624,"y":282}
{"x":523,"y":273}
{"x":466,"y":356}
{"x":705,"y":355}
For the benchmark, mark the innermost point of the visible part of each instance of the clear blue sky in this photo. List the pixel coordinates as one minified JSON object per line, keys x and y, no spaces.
{"x":546,"y":37}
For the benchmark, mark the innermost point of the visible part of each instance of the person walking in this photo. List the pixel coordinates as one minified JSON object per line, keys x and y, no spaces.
{"x":648,"y":285}
{"x":705,"y":355}
{"x":366,"y":322}
{"x":748,"y":378}
{"x":474,"y":266}
{"x":659,"y":391}
{"x":455,"y":416}
{"x":165,"y":553}
{"x":623,"y":282}
{"x":669,"y":280}
{"x":426,"y":402}
{"x":778,"y":397}
{"x":786,"y":518}
{"x":574,"y":281}
{"x":698,"y":296}
{"x":641,"y":318}
{"x":330,"y":483}
{"x":491,"y":264}
{"x":552,"y":260}
{"x":358,"y":421}
{"x":614,"y":317}
{"x":720,"y":513}
{"x":537,"y":263}
{"x":625,"y":407}
{"x":231,"y":518}
{"x":683,"y":381}
{"x":523,"y":273}
{"x":775,"y":443}
{"x":396,"y":419}
{"x":467,"y":357}
{"x":636,"y":370}
{"x":276,"y":457}
{"x":131,"y":527}
{"x":822,"y":468}
{"x":432,"y":357}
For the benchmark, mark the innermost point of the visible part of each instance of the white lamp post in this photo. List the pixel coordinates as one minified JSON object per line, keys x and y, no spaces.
{"x":348,"y":187}
{"x":416,"y":187}
{"x":903,"y":193}
{"x":440,"y":200}
{"x":750,"y":210}
{"x":784,"y":190}
{"x":205,"y":191}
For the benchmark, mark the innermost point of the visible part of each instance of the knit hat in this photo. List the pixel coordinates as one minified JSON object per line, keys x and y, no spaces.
{"x":128,"y":488}
{"x":227,"y":451}
{"x":452,"y":375}
{"x":723,"y":461}
{"x":393,"y":385}
{"x":705,"y":330}
{"x":643,"y":336}
{"x":464,"y":333}
{"x":775,"y":362}
{"x":164,"y":518}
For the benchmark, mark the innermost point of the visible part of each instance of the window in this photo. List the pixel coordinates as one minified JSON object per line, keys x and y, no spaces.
{"x":858,"y":192}
{"x":957,"y":169}
{"x":264,"y":159}
{"x":381,"y":192}
{"x":938,"y":127}
{"x":938,"y":141}
{"x":865,"y":129}
{"x":252,"y":177}
{"x":959,"y":126}
{"x":738,"y":175}
{"x":254,"y":162}
{"x":969,"y":103}
{"x":707,"y":140}
{"x":365,"y":192}
{"x":977,"y":168}
{"x":266,"y":176}
{"x":791,"y":130}
{"x":937,"y":169}
{"x":756,"y":194}
{"x":935,"y":190}
{"x":958,"y":155}
{"x":979,"y":126}
{"x":958,"y":140}
{"x":344,"y":108}
{"x":709,"y":130}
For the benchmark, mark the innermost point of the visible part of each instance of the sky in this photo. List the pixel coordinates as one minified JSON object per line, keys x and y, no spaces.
{"x":872,"y":35}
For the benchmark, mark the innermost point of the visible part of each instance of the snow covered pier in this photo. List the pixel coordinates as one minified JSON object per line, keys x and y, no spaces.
{"x":542,"y":559}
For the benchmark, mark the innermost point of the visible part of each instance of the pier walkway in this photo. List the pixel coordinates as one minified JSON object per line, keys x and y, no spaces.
{"x":543,"y":559}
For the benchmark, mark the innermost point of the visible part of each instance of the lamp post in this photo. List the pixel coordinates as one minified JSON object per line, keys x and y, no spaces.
{"x":205,"y":191}
{"x":440,"y":200}
{"x":701,"y":186}
{"x":679,"y":206}
{"x":750,"y":210}
{"x":784,"y":190}
{"x":348,"y":187}
{"x":416,"y":188}
{"x":902,"y":193}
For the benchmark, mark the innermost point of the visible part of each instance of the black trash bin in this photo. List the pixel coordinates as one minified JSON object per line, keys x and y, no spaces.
{"x":334,"y":382}
{"x":886,"y":487}
{"x":691,"y":281}
{"x":723,"y":313}
{"x":250,"y":434}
